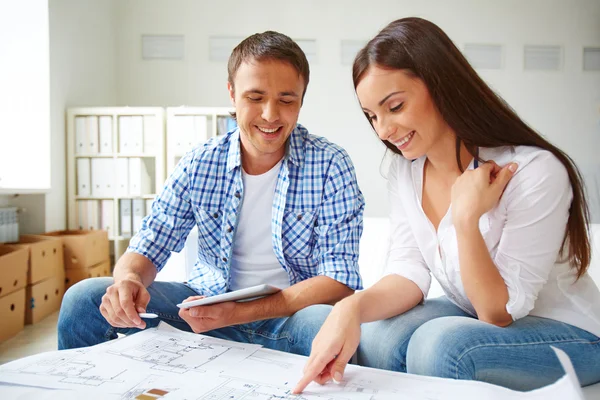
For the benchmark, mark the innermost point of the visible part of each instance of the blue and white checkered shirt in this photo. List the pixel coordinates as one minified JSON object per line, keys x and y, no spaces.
{"x":316,"y":219}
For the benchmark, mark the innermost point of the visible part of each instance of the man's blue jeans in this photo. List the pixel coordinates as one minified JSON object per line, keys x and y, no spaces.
{"x":81,"y":324}
{"x":438,"y":339}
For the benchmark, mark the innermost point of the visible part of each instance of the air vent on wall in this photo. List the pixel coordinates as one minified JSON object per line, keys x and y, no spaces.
{"x":484,"y":56}
{"x":591,"y":58}
{"x":309,"y":47}
{"x":163,"y":47}
{"x":543,"y":58}
{"x":220,"y":48}
{"x":349,"y":50}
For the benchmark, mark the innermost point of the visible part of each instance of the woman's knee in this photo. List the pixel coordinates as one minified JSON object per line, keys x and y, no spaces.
{"x":436,"y":347}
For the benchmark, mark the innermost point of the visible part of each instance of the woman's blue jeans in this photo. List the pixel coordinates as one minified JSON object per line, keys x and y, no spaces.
{"x":439,"y":339}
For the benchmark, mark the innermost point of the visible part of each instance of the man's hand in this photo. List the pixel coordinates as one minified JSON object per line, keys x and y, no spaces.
{"x":206,"y":318}
{"x":122,"y":303}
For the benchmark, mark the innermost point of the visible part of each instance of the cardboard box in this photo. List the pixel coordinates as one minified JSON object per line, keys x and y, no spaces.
{"x":45,"y":257}
{"x":12,"y":314}
{"x":72,"y":276}
{"x":13,"y":269}
{"x":44,"y":298}
{"x":83,"y":249}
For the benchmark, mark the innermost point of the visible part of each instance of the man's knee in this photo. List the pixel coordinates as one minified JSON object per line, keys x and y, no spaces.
{"x":81,"y":299}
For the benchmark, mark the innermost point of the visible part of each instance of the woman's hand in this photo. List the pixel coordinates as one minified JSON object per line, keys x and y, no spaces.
{"x":477,"y":191}
{"x":334,"y":345}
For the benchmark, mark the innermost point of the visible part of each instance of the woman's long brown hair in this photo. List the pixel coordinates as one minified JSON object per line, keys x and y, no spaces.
{"x":478,"y":116}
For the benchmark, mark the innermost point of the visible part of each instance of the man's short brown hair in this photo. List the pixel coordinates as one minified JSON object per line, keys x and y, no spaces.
{"x":268,"y":45}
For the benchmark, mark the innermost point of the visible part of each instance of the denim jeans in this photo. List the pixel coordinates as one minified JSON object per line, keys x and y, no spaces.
{"x":81,"y":324}
{"x":439,"y":339}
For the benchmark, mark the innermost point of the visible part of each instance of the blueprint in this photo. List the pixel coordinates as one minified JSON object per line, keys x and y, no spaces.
{"x":166,"y":364}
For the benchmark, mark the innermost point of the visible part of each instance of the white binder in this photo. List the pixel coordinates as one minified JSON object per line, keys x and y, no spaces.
{"x":152,"y":135}
{"x":138,"y":214}
{"x":122,"y":174}
{"x":92,"y":134}
{"x":137,"y":134}
{"x":125,"y":144}
{"x":80,"y":136}
{"x":149,"y":206}
{"x":93,"y":221}
{"x":200,"y":131}
{"x":83,"y":177}
{"x":106,"y":218}
{"x":125,"y":217}
{"x":105,"y":134}
{"x":183,"y":134}
{"x":139,"y":177}
{"x":103,"y":177}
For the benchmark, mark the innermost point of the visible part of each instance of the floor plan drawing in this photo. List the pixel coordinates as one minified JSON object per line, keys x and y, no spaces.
{"x":174,"y":355}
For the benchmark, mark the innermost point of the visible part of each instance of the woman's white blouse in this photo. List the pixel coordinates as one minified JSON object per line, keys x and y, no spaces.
{"x":523,"y":233}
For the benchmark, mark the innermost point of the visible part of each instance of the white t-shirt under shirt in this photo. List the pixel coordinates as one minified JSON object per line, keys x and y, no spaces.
{"x":253,"y":261}
{"x":523,"y":233}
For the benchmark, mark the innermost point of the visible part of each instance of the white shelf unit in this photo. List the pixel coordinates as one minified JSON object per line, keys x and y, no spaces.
{"x":188,"y":126}
{"x":114,"y":155}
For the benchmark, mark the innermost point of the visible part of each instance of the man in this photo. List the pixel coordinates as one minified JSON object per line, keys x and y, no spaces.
{"x":273,"y":205}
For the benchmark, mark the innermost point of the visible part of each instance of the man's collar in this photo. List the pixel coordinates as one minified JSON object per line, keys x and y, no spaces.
{"x":294,"y":148}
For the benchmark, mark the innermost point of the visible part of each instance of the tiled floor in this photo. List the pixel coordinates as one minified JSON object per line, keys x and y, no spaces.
{"x":34,"y":339}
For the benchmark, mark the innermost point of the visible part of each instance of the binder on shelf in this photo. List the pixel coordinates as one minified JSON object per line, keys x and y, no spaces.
{"x":199,"y":134}
{"x":106,"y":217}
{"x":138,"y":214}
{"x":137,"y":134}
{"x":82,"y":214}
{"x":139,"y":177}
{"x":93,"y":221}
{"x":122,"y":173}
{"x":105,"y":134}
{"x":125,"y":145}
{"x":92,"y":134}
{"x":80,"y":136}
{"x":152,"y":135}
{"x":184,"y":127}
{"x":149,"y":206}
{"x":83,"y":177}
{"x":103,"y":177}
{"x":125,"y":217}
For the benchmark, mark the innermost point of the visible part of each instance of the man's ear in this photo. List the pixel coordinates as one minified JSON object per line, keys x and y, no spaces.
{"x":231,"y":93}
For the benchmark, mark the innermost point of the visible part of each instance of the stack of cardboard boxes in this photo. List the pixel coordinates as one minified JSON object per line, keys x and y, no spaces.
{"x":45,"y":277}
{"x":86,"y":255}
{"x":36,"y":271}
{"x":13,"y":279}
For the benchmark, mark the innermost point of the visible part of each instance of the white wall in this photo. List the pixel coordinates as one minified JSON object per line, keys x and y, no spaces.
{"x":564,"y":106}
{"x":82,"y":73}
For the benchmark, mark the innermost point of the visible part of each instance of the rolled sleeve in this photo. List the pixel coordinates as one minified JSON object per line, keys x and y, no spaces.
{"x":166,"y":228}
{"x":404,"y":256}
{"x":339,"y":226}
{"x":537,"y":202}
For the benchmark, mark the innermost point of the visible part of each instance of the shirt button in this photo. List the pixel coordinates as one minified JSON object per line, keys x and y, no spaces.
{"x":230,"y":229}
{"x":224,"y":259}
{"x":299,"y":217}
{"x":216,"y":215}
{"x":237,"y":194}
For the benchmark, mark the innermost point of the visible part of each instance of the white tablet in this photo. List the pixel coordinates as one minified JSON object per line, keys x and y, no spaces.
{"x":237,"y":295}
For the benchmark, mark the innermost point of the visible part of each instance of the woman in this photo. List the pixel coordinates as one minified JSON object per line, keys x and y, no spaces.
{"x":483,"y":203}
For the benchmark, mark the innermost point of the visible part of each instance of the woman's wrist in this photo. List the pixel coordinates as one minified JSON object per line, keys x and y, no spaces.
{"x":352,"y":304}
